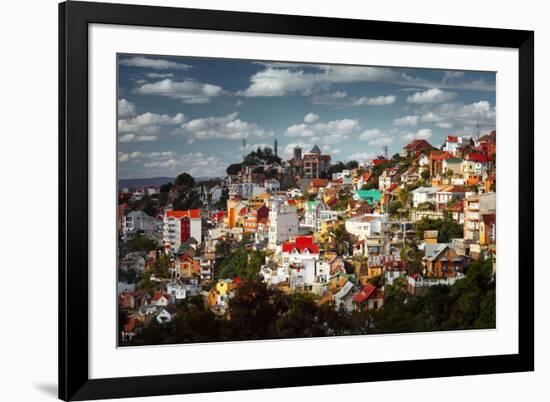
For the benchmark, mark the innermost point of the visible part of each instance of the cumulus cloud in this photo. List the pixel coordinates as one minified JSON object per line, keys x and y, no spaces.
{"x":126,"y":109}
{"x":185,"y":91}
{"x":224,"y":127}
{"x":431,"y":117}
{"x":376,"y":137}
{"x":146,"y":126}
{"x":159,"y":64}
{"x":329,"y":98}
{"x":376,"y":101}
{"x":422,"y":134}
{"x":456,"y":114}
{"x":160,"y":162}
{"x":433,"y":95}
{"x":159,"y":75}
{"x":311,"y":118}
{"x":281,"y":81}
{"x":331,"y":132}
{"x":361,"y":156}
{"x":406,"y":121}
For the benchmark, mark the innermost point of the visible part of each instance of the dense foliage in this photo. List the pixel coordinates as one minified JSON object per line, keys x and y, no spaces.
{"x":447,"y":228}
{"x":468,"y":304}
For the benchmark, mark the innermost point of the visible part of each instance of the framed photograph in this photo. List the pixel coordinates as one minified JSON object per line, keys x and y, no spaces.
{"x":259,"y":201}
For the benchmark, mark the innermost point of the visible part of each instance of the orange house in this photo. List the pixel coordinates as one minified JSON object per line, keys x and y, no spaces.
{"x":442,"y":261}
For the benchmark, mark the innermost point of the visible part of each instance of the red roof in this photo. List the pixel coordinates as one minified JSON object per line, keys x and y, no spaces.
{"x":391,"y":187}
{"x":366,"y":176}
{"x":301,"y":244}
{"x":364,"y":294}
{"x":376,"y":162}
{"x":477,"y":157}
{"x":291,"y":202}
{"x":452,"y":138}
{"x":157,"y":296}
{"x":418,"y":145}
{"x":191,"y":213}
{"x":436,"y":156}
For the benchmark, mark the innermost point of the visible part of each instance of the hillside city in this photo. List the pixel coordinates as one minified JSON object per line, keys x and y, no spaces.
{"x":310,"y":247}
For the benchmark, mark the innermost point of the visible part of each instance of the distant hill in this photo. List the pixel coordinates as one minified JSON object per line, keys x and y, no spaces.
{"x":153,"y":181}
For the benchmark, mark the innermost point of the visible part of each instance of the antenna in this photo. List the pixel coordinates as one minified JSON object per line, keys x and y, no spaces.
{"x":385,"y":151}
{"x":244,"y":149}
{"x":275,"y":147}
{"x":477,"y":130}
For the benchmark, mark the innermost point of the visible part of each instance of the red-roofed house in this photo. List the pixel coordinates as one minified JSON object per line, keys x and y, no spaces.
{"x":363,"y":179}
{"x":379,"y":161}
{"x":436,"y":162}
{"x":299,"y":261}
{"x":369,"y":298}
{"x":416,"y":147}
{"x":180,"y":226}
{"x":474,"y":165}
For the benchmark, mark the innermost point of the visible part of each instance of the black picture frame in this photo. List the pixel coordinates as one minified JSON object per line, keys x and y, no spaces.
{"x":74,"y":18}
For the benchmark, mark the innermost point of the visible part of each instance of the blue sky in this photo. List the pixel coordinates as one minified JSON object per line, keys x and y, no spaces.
{"x":179,"y":114}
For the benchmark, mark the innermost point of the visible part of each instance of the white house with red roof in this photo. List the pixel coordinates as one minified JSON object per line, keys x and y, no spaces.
{"x":299,"y":261}
{"x":180,"y":226}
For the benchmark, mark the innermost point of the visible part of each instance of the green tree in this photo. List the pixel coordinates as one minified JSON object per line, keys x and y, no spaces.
{"x":184,"y":182}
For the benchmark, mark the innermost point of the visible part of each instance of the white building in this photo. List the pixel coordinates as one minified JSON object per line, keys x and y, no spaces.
{"x":423,"y":194}
{"x":283,"y":224}
{"x":180,"y":226}
{"x":272,"y":185}
{"x":294,"y":192}
{"x":366,"y":225}
{"x":137,"y":221}
{"x":299,"y":259}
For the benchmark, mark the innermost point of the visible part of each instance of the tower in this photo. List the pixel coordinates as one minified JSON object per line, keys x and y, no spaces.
{"x":244,"y":149}
{"x":385,"y":152}
{"x":275,"y":143}
{"x":297,"y":153}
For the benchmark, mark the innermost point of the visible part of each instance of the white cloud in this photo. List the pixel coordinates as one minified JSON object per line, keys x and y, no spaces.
{"x":330,"y":98}
{"x":137,"y":138}
{"x":376,"y":137}
{"x":159,"y":75}
{"x":311,"y":118}
{"x":433,"y":95}
{"x":185,"y":91}
{"x":239,"y":103}
{"x":299,"y":130}
{"x":361,"y":156}
{"x":123,"y":156}
{"x":146,"y":126}
{"x":126,"y":109}
{"x":164,"y":162}
{"x":431,"y":117}
{"x":332,"y":132}
{"x":328,"y":149}
{"x":370,"y":134}
{"x":225,"y":127}
{"x":448,"y":115}
{"x":160,"y":64}
{"x":422,"y":134}
{"x":377,"y":101}
{"x":452,"y":75}
{"x":406,"y":121}
{"x":281,"y":81}
{"x":288,"y":151}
